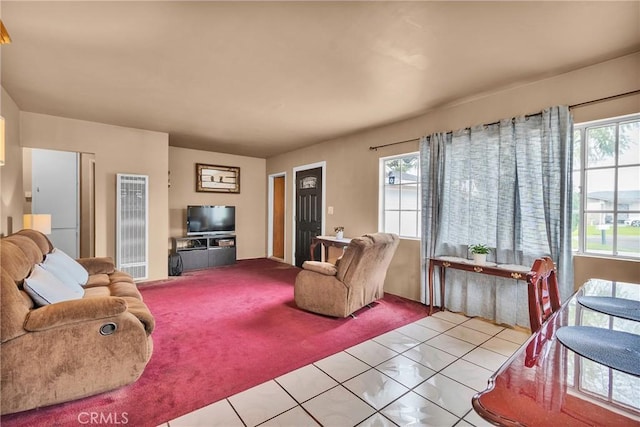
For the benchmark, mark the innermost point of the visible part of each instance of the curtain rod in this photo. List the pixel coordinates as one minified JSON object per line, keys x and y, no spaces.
{"x":375,"y":148}
{"x":582,"y":104}
{"x":608,"y":98}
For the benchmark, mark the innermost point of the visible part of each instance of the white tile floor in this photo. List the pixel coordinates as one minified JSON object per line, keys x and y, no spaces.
{"x":422,"y":374}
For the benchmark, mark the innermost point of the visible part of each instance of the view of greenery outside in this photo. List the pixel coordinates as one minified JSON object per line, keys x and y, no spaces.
{"x":401,"y":195}
{"x":606,"y":187}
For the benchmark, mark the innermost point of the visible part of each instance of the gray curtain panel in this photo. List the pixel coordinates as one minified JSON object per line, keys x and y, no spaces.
{"x":507,"y":185}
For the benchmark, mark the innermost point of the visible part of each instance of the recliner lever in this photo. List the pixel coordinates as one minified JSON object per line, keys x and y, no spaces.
{"x":108,"y":328}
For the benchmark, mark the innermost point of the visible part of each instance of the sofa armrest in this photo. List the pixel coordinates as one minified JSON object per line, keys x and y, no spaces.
{"x":74,"y":311}
{"x":141,"y":311}
{"x":325,"y":268}
{"x":321,"y":294}
{"x":98,"y":265}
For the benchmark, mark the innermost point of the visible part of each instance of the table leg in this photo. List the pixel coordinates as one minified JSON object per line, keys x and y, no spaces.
{"x":443,"y":272}
{"x":312,"y":248}
{"x":326,"y":253}
{"x":430,"y":288}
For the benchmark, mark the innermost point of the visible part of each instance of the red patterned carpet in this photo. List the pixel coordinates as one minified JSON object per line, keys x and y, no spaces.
{"x":219,"y":332}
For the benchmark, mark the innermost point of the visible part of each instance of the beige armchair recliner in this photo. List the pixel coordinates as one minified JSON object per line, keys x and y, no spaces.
{"x":356,"y":280}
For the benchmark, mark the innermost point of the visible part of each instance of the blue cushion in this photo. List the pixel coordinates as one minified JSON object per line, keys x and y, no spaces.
{"x":45,"y":288}
{"x":65,"y":268}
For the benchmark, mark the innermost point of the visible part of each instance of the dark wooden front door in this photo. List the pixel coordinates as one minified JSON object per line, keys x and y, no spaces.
{"x":308,"y":212}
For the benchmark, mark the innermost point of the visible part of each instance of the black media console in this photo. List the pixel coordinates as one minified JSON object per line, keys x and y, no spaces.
{"x":199,"y":252}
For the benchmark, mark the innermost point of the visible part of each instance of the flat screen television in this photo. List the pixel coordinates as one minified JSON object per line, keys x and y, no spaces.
{"x":210,"y":220}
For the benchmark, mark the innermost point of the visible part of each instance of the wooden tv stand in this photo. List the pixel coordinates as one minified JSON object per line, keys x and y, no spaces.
{"x":198,"y":252}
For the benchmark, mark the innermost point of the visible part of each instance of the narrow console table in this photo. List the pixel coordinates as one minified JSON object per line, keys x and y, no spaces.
{"x":327,"y":241}
{"x":509,"y":271}
{"x":199,"y":252}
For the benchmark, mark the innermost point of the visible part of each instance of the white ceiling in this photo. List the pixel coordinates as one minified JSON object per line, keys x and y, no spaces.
{"x":262,"y":78}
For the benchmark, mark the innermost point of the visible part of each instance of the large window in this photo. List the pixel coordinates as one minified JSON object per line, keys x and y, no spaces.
{"x":400,"y":195}
{"x":606,"y":203}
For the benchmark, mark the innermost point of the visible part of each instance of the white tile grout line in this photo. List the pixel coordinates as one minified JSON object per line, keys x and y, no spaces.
{"x":410,"y":389}
{"x":341,"y":383}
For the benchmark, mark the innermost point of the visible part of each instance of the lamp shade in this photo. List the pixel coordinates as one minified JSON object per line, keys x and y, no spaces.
{"x":39,"y":222}
{"x":4,"y":34}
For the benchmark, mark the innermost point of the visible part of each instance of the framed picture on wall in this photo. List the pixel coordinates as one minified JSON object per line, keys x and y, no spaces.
{"x":217,"y":179}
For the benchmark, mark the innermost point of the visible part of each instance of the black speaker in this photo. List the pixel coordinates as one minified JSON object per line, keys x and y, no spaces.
{"x":175,"y":264}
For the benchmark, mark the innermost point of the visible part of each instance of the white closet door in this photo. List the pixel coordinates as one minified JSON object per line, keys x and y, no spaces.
{"x":54,"y":191}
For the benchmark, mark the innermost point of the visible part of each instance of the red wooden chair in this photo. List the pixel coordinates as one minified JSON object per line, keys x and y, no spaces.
{"x":544,"y":297}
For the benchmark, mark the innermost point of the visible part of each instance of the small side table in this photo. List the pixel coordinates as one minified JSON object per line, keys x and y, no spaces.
{"x":509,"y":271}
{"x":327,"y":241}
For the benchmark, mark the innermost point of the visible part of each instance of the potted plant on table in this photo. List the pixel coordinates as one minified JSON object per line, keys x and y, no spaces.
{"x":339,"y":232}
{"x":479,"y":252}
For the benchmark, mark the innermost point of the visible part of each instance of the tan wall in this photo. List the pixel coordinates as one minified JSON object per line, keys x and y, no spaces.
{"x":352,"y":169}
{"x":592,"y":267}
{"x":250,"y":203}
{"x":117,"y":150}
{"x":11,"y":209}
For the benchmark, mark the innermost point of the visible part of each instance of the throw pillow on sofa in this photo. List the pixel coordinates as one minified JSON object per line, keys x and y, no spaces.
{"x":65,"y":268}
{"x":45,"y":288}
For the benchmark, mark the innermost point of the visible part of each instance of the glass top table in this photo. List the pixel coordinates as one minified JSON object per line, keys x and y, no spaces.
{"x":545,"y":383}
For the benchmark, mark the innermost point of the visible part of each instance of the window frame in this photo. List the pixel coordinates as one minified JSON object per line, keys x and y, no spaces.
{"x":615,"y":211}
{"x":383,"y":184}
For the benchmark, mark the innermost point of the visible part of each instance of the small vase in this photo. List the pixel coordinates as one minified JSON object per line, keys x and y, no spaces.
{"x":480,"y":259}
{"x":339,"y":234}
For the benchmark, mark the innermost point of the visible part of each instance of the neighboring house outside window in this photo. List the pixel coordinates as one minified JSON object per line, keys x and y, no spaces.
{"x":606,"y":202}
{"x":400,"y":195}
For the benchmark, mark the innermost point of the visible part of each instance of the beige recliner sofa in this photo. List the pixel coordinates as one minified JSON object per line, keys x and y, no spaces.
{"x":71,"y":349}
{"x":356,"y":280}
